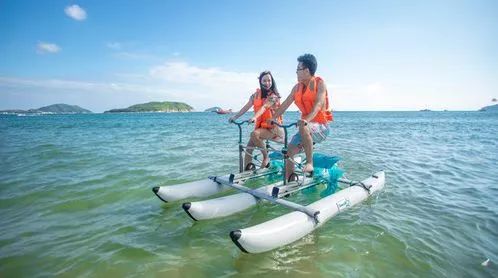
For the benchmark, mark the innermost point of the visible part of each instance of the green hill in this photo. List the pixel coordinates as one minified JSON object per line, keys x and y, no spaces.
{"x":59,"y":108}
{"x":63,"y":108}
{"x":212,"y":109}
{"x":165,"y":106}
{"x":491,"y":108}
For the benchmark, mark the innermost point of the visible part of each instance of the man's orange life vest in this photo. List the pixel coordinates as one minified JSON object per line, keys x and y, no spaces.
{"x":305,"y":100}
{"x":264,"y":120}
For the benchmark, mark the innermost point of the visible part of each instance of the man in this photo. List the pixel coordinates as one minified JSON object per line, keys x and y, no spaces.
{"x":310,"y":96}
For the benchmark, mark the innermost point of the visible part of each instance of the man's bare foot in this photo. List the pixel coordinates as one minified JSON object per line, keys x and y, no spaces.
{"x":265,"y":163}
{"x":308,"y":169}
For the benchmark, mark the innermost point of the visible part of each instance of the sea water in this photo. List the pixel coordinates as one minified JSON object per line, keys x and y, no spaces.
{"x":76,"y":199}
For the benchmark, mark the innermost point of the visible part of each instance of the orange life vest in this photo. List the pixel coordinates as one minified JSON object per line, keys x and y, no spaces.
{"x":264,"y":120}
{"x":305,"y":100}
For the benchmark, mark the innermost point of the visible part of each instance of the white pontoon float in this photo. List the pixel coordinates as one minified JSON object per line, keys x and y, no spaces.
{"x":281,"y":230}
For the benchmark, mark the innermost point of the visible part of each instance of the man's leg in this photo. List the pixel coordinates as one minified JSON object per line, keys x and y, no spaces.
{"x":307,"y":143}
{"x":292,"y":150}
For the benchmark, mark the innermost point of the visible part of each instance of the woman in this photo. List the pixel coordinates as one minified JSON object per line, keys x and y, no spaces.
{"x":264,"y":101}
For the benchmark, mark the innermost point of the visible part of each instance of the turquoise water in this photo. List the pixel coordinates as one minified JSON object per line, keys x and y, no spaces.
{"x":76,"y":199}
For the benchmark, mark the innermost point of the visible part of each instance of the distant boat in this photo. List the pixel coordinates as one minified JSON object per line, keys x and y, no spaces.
{"x":223,"y":111}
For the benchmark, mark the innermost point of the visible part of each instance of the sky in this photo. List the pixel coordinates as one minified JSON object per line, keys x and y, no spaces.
{"x":373,"y":55}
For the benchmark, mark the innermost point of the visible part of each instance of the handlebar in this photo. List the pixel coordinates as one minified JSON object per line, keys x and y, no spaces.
{"x":284,"y":126}
{"x":240,"y":123}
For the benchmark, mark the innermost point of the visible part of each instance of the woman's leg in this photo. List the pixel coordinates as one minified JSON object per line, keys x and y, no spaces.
{"x":257,"y":137}
{"x":248,"y":153}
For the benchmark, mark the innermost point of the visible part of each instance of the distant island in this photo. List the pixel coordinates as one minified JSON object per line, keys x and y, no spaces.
{"x":491,"y":108}
{"x":213,"y":109}
{"x":59,"y":108}
{"x":165,"y":106}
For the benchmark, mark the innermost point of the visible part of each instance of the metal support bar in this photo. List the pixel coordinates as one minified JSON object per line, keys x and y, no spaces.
{"x":356,"y":183}
{"x":310,"y":212}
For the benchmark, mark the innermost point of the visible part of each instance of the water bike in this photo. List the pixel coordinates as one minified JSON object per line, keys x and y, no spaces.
{"x":287,"y":228}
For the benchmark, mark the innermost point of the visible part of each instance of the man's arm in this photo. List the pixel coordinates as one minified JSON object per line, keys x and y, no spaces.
{"x":287,"y":102}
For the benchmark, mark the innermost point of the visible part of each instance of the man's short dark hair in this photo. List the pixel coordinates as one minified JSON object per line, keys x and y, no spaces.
{"x":309,"y":62}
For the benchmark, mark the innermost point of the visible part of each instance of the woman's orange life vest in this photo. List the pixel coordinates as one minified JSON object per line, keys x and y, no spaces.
{"x":264,"y":120}
{"x":305,"y":99}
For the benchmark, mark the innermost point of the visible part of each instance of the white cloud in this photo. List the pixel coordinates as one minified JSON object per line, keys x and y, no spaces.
{"x":370,"y":96}
{"x":181,"y":72}
{"x":207,"y":86}
{"x":44,"y":47}
{"x":375,"y":88}
{"x":391,"y":96}
{"x":200,"y":87}
{"x":75,"y":12}
{"x":92,"y":87}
